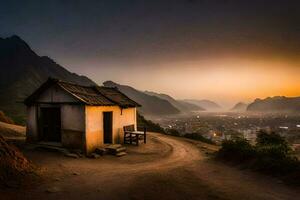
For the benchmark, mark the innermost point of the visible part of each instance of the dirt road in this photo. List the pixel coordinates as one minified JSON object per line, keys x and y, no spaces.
{"x":165,"y":168}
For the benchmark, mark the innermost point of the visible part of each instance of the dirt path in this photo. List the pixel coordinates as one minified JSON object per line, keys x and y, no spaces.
{"x":165,"y":168}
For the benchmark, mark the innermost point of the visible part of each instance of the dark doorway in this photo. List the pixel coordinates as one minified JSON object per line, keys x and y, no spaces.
{"x":50,"y":124}
{"x":107,"y":126}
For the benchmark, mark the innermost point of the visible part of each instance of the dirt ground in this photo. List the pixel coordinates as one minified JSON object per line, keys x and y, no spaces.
{"x":165,"y":168}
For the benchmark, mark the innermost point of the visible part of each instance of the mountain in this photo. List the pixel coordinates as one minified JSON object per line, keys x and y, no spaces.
{"x":239,"y":107}
{"x":276,"y":104}
{"x":151,"y":105}
{"x":206,"y":104}
{"x":22,"y":71}
{"x":183,"y":106}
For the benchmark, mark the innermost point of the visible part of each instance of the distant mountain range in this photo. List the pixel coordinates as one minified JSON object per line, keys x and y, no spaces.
{"x":151,"y":105}
{"x":239,"y":107}
{"x":22,"y":71}
{"x":276,"y":104}
{"x":181,"y":105}
{"x":205,"y":104}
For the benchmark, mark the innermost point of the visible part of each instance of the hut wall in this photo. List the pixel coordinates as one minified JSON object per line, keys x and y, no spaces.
{"x":31,"y":124}
{"x":73,"y":126}
{"x":55,"y":94}
{"x":94,"y":124}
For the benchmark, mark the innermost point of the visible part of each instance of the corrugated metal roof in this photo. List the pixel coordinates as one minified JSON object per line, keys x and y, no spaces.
{"x":114,"y":95}
{"x":90,"y":95}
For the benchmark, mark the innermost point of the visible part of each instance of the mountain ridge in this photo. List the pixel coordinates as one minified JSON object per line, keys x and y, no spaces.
{"x":208,"y":105}
{"x":275,"y":104}
{"x":151,"y":105}
{"x":239,"y":107}
{"x":183,"y":106}
{"x":23,"y":71}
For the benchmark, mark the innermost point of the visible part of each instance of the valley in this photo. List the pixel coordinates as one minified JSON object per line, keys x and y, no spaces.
{"x":177,"y":168}
{"x":220,"y":126}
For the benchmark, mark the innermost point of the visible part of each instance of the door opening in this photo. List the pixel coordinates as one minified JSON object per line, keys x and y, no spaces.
{"x":107,"y":126}
{"x":50,"y":124}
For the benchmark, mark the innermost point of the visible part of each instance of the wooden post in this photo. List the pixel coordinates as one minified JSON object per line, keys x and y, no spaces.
{"x":130,"y":138}
{"x":145,"y":134}
{"x":137,"y":139}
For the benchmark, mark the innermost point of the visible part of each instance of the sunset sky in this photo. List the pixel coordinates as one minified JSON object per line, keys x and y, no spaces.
{"x":223,"y":50}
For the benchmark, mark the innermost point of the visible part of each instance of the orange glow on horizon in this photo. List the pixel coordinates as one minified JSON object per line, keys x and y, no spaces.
{"x":229,"y":80}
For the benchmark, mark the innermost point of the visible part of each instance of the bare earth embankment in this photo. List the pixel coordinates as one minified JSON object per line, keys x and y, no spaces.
{"x":165,"y":168}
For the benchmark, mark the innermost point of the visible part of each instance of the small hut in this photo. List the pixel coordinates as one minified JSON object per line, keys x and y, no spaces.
{"x":76,"y":116}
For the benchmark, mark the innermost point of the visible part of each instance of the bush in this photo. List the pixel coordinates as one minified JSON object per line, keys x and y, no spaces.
{"x":266,"y":139}
{"x":274,"y":160}
{"x":4,"y":118}
{"x":150,"y":126}
{"x":196,"y":136}
{"x":271,"y":155}
{"x":236,"y":150}
{"x":274,"y":155}
{"x":173,"y":132}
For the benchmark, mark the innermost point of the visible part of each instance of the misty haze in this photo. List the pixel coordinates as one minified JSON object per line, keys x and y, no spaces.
{"x":187,"y":99}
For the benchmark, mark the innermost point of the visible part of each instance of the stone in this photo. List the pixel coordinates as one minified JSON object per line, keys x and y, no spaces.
{"x":95,"y":156}
{"x":113,"y":146}
{"x":120,"y":154}
{"x":100,"y":151}
{"x":53,"y":189}
{"x":71,"y":155}
{"x":77,"y":152}
{"x":115,"y":149}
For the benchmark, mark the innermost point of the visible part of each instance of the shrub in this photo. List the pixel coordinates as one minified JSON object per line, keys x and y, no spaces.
{"x":4,"y":118}
{"x":271,"y":155}
{"x":173,"y":132}
{"x":274,"y":155}
{"x":196,"y":136}
{"x":236,"y":150}
{"x":150,"y":126}
{"x":265,"y":139}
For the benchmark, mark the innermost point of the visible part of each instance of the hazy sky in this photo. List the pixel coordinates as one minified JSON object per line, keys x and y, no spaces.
{"x":223,"y":50}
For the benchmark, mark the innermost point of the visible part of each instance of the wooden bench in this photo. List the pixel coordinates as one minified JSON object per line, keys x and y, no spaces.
{"x":131,"y":136}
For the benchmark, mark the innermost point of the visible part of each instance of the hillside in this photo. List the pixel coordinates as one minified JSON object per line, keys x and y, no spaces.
{"x":151,"y":105}
{"x":5,"y":119}
{"x":206,"y":104}
{"x":276,"y":104}
{"x":183,"y":106}
{"x":239,"y":107}
{"x":22,"y":71}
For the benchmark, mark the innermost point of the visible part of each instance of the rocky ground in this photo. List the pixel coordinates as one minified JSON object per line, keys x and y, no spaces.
{"x":165,"y":168}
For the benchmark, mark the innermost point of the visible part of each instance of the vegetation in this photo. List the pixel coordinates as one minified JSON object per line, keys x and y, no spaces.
{"x":193,"y":136}
{"x":154,"y":127}
{"x":4,"y":118}
{"x":196,"y":136}
{"x":271,"y":155}
{"x":150,"y":126}
{"x":173,"y":132}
